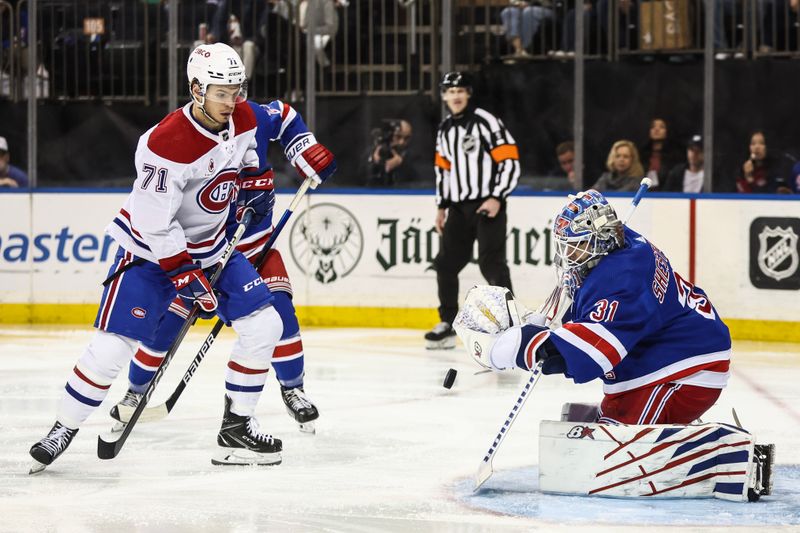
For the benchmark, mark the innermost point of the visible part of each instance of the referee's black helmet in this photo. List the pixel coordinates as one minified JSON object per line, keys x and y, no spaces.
{"x":456,"y":79}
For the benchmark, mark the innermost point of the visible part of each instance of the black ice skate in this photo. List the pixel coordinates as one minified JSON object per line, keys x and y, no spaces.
{"x":763,"y":459}
{"x":300,"y":408}
{"x":441,"y":337}
{"x":123,"y":411}
{"x":241,"y":443}
{"x":49,"y":448}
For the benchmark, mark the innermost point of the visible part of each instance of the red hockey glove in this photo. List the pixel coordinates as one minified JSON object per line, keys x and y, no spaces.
{"x":311,"y":159}
{"x":190,"y":281}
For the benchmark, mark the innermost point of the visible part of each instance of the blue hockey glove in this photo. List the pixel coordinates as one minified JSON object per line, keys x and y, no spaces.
{"x":256,"y":192}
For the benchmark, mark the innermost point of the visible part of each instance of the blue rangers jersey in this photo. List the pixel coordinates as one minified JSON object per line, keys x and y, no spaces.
{"x":276,"y":121}
{"x":636,"y":322}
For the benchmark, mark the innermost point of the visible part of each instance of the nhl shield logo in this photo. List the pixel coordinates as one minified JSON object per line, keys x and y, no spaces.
{"x":774,"y":253}
{"x":777,"y":252}
{"x":469,"y":143}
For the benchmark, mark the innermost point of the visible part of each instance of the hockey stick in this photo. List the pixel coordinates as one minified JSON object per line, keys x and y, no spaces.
{"x":110,"y":449}
{"x":485,"y":469}
{"x":157,"y":412}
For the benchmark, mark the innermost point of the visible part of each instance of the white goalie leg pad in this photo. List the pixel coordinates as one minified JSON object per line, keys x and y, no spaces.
{"x":667,"y":461}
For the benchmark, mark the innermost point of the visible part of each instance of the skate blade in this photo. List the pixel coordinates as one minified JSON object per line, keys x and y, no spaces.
{"x":444,"y":344}
{"x":118,"y":427}
{"x":307,"y":427}
{"x":36,"y":467}
{"x":238,"y":457}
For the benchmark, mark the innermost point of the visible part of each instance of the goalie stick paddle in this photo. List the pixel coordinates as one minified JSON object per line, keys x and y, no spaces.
{"x":551,"y":304}
{"x":110,"y":449}
{"x":485,"y":469}
{"x":157,"y":412}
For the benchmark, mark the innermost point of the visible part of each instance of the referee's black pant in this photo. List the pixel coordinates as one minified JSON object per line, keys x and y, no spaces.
{"x":462,"y":227}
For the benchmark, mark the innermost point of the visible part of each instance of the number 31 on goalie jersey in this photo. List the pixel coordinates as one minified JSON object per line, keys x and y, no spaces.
{"x":604,"y":311}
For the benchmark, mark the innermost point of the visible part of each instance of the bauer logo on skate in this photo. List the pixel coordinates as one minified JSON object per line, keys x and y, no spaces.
{"x":215,"y":196}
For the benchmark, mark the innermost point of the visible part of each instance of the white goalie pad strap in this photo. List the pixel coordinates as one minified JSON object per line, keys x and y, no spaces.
{"x":656,"y":461}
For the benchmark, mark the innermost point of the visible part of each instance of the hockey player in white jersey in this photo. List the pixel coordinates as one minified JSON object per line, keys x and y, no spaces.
{"x":172,"y":230}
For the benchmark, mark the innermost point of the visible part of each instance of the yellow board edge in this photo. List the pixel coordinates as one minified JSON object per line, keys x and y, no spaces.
{"x":360,"y":317}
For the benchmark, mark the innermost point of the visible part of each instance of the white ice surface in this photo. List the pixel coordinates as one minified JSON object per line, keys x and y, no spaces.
{"x":394,"y":450}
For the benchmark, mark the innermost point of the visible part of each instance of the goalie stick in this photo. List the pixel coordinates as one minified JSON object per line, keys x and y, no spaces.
{"x":110,"y":449}
{"x":551,"y":304}
{"x":157,"y":412}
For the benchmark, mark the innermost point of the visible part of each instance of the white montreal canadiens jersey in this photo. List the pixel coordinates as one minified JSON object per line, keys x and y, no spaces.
{"x":636,"y":322}
{"x":185,"y":178}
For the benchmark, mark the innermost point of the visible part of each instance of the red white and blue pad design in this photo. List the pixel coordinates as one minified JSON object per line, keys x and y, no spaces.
{"x":636,"y":322}
{"x":650,"y":461}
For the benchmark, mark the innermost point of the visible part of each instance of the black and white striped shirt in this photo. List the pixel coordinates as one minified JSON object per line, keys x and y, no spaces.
{"x":476,"y":158}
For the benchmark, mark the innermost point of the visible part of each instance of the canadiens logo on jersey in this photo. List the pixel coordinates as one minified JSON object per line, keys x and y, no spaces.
{"x":215,"y":196}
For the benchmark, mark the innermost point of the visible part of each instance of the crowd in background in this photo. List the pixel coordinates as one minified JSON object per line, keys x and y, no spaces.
{"x":528,"y":28}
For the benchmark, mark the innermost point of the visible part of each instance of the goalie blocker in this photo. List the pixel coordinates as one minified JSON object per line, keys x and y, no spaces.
{"x":655,"y":461}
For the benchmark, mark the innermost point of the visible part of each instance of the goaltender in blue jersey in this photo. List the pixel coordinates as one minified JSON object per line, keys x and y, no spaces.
{"x":656,"y":342}
{"x":653,"y":337}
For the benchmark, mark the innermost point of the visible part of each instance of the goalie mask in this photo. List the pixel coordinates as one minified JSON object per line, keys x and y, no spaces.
{"x":219,"y":65}
{"x":585,"y":230}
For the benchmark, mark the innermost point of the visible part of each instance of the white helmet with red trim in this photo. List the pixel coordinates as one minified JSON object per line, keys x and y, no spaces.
{"x":215,"y":64}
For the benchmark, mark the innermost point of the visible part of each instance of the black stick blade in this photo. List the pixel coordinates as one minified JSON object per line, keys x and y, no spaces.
{"x":106,"y":449}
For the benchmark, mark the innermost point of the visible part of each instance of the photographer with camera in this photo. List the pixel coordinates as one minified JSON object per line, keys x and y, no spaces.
{"x":387,"y":153}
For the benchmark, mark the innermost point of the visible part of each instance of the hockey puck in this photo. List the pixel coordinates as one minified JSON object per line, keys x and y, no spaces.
{"x":450,"y":378}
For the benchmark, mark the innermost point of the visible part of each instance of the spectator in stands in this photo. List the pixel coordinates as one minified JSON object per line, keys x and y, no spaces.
{"x":327,"y":26}
{"x":794,"y":177}
{"x":246,"y":48}
{"x":565,"y":153}
{"x":627,"y":22}
{"x":688,"y":176}
{"x":624,"y":169}
{"x":521,"y":21}
{"x":385,"y":162}
{"x":659,"y":153}
{"x":761,"y":172}
{"x":10,"y":176}
{"x":568,"y":28}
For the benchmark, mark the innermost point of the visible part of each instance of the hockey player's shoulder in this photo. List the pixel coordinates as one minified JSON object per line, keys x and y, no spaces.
{"x":244,"y":116}
{"x":176,"y":139}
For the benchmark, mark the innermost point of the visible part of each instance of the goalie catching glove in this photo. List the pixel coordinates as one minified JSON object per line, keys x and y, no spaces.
{"x":500,"y":333}
{"x":310,"y":158}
